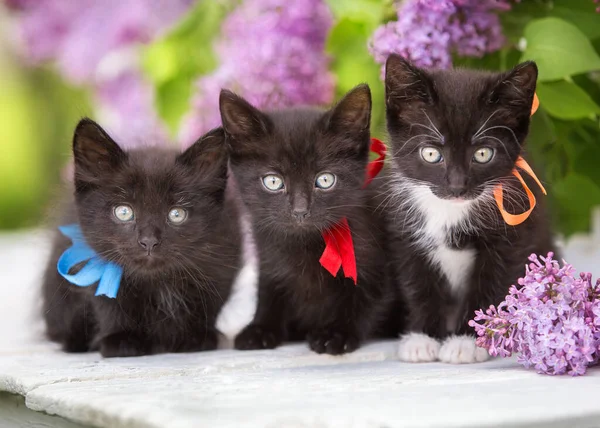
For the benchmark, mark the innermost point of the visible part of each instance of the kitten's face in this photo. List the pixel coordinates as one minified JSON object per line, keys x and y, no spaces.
{"x":459,"y":132}
{"x":148,"y":210}
{"x":299,"y":171}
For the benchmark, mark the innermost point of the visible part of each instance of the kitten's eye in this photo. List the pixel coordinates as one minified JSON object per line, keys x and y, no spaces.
{"x":431,"y":155}
{"x":483,"y":155}
{"x":325,"y":181}
{"x":272,"y":182}
{"x":123,"y":212}
{"x":177,"y":215}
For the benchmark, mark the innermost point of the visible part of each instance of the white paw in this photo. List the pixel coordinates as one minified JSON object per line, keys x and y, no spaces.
{"x":462,"y":350}
{"x":418,"y":348}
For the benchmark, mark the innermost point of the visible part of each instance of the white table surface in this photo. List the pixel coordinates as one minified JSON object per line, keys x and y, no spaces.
{"x":289,"y":387}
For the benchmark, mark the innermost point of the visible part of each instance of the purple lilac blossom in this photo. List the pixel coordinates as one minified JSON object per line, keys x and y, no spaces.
{"x":93,"y":43}
{"x":552,"y":320}
{"x":125,"y":105}
{"x":428,"y":32}
{"x":272,"y":53}
{"x":79,"y":34}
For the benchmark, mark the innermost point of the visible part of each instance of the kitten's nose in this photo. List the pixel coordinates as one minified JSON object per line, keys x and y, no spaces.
{"x":148,"y":243}
{"x":457,"y":182}
{"x":457,"y":191}
{"x":300,"y":205}
{"x":300,"y":214}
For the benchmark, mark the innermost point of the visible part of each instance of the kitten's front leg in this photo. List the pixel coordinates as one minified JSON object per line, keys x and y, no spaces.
{"x":490,"y":286}
{"x":425,"y":326}
{"x":119,"y":332}
{"x":267,"y":330}
{"x":351,"y":319}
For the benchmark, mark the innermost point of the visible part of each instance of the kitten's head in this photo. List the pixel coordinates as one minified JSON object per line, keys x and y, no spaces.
{"x":148,"y":209}
{"x":457,"y":131}
{"x":299,"y":170}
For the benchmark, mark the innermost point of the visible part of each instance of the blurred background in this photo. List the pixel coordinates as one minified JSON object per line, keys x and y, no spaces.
{"x":151,"y":71}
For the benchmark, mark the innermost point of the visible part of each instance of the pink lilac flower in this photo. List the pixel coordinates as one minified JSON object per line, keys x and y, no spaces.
{"x":272,"y":53}
{"x":428,"y":32}
{"x":551,"y":319}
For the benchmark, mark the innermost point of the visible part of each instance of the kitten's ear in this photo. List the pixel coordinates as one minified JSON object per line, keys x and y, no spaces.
{"x":352,"y":114}
{"x":241,"y":120}
{"x":96,"y":154}
{"x":516,"y":88}
{"x":207,"y":156}
{"x":405,"y":83}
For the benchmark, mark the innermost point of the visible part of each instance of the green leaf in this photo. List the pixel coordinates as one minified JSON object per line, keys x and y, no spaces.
{"x":581,"y":13}
{"x":366,"y":11}
{"x":490,"y":61}
{"x":566,"y":100}
{"x":581,"y":145}
{"x":521,"y":14}
{"x":176,"y":61}
{"x":574,"y":197}
{"x":590,"y":84}
{"x":352,"y":65}
{"x":559,"y":48}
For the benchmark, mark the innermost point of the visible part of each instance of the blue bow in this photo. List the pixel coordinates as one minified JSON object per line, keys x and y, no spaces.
{"x":108,"y":273}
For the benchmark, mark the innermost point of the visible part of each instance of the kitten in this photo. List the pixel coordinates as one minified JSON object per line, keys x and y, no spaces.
{"x":165,"y":218}
{"x":300,"y":172}
{"x":455,"y":135}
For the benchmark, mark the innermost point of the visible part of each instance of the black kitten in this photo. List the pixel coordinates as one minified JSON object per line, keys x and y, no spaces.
{"x":165,"y":219}
{"x":455,"y":135}
{"x":300,"y":172}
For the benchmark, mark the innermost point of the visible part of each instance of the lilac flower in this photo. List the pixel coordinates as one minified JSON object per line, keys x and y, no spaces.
{"x":125,"y":104}
{"x":272,"y":53}
{"x":552,"y":320}
{"x":79,"y":34}
{"x":93,"y":42}
{"x":428,"y":31}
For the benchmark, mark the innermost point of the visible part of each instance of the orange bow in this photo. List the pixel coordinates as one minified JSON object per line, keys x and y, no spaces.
{"x":516,"y":219}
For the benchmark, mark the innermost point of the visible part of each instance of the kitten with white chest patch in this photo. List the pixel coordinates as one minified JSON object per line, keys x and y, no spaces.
{"x":455,"y":136}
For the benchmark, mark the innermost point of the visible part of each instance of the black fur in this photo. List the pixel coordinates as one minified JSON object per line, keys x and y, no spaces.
{"x":298,"y":298}
{"x":458,"y":103}
{"x":171,"y":293}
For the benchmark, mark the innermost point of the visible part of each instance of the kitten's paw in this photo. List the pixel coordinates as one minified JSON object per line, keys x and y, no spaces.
{"x":331,"y":341}
{"x":76,"y":344}
{"x":462,"y":350}
{"x":418,"y":348}
{"x":255,"y":336}
{"x":124,"y":344}
{"x":202,"y":341}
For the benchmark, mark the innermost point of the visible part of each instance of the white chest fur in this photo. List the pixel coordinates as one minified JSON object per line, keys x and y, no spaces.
{"x":439,"y":218}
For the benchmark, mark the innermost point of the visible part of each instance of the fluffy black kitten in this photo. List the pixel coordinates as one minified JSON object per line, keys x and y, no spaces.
{"x":455,"y":135}
{"x":300,"y":172}
{"x":165,"y":219}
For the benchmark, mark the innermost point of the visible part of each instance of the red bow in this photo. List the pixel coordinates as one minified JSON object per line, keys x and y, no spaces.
{"x":339,"y":249}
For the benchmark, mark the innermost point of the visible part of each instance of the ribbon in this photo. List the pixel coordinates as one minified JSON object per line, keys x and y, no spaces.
{"x":96,"y":269}
{"x":516,"y":219}
{"x":339,"y":248}
{"x":375,"y":166}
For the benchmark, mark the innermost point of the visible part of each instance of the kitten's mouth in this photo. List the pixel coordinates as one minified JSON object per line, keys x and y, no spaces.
{"x":457,"y":199}
{"x":149,"y":262}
